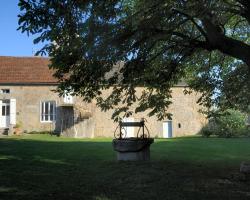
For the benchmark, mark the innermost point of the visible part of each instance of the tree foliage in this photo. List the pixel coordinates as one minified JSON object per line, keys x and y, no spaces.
{"x":159,"y":42}
{"x":229,"y":123}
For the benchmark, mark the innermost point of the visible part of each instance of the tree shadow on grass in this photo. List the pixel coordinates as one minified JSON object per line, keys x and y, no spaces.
{"x":33,"y":169}
{"x":222,"y":152}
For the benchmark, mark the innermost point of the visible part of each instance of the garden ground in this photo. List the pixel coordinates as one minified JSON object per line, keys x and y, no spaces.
{"x":47,"y":167}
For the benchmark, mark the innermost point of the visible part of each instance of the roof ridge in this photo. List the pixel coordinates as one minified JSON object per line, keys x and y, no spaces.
{"x":24,"y":57}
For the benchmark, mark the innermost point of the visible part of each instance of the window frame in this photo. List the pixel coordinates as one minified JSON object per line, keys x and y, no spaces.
{"x":43,"y":114}
{"x":5,"y":109}
{"x":5,"y":91}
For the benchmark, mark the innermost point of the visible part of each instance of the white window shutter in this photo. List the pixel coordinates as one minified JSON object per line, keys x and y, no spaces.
{"x":13,"y":111}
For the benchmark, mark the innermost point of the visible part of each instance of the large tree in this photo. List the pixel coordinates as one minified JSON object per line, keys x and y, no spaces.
{"x":156,"y":43}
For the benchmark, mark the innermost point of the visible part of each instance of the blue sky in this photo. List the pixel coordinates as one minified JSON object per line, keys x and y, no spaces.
{"x":13,"y":42}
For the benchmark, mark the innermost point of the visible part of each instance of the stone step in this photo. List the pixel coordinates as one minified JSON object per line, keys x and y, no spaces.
{"x":4,"y":131}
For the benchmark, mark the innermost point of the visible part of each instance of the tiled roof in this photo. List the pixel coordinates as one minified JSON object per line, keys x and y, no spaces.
{"x":31,"y":70}
{"x":25,"y":70}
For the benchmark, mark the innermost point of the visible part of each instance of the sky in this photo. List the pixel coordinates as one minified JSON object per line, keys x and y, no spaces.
{"x":13,"y":42}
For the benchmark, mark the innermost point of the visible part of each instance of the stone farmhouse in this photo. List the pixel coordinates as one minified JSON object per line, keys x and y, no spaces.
{"x":28,"y":102}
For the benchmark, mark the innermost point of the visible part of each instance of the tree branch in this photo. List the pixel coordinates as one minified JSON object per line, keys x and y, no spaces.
{"x":226,"y":45}
{"x":193,"y":21}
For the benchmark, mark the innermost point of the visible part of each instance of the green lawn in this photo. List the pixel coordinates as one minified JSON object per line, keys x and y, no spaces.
{"x":47,"y":167}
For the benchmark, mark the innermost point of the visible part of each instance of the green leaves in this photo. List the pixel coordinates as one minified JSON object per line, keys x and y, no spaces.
{"x":121,"y":45}
{"x":228,"y":123}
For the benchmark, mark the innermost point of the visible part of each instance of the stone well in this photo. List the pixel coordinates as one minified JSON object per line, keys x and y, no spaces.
{"x":132,"y":149}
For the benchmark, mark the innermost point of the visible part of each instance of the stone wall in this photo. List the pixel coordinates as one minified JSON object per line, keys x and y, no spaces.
{"x":184,"y":109}
{"x":97,"y":123}
{"x":28,"y":99}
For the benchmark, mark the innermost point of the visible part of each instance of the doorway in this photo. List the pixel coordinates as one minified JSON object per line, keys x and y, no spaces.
{"x":167,"y":129}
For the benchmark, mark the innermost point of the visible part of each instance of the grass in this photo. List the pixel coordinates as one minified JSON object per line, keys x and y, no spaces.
{"x":47,"y":167}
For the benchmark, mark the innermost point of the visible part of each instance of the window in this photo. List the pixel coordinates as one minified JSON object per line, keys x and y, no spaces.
{"x":6,"y":110}
{"x":5,"y":91}
{"x":48,"y":111}
{"x":179,"y":125}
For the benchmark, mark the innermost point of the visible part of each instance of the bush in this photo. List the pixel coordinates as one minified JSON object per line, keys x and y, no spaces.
{"x":40,"y":132}
{"x":245,"y":132}
{"x":231,"y":123}
{"x":206,"y":131}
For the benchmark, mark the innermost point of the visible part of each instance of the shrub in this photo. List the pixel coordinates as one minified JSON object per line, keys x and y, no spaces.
{"x":39,"y":132}
{"x":206,"y":131}
{"x":230,"y":123}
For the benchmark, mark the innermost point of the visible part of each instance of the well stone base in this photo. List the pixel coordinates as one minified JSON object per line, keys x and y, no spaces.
{"x":133,"y":149}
